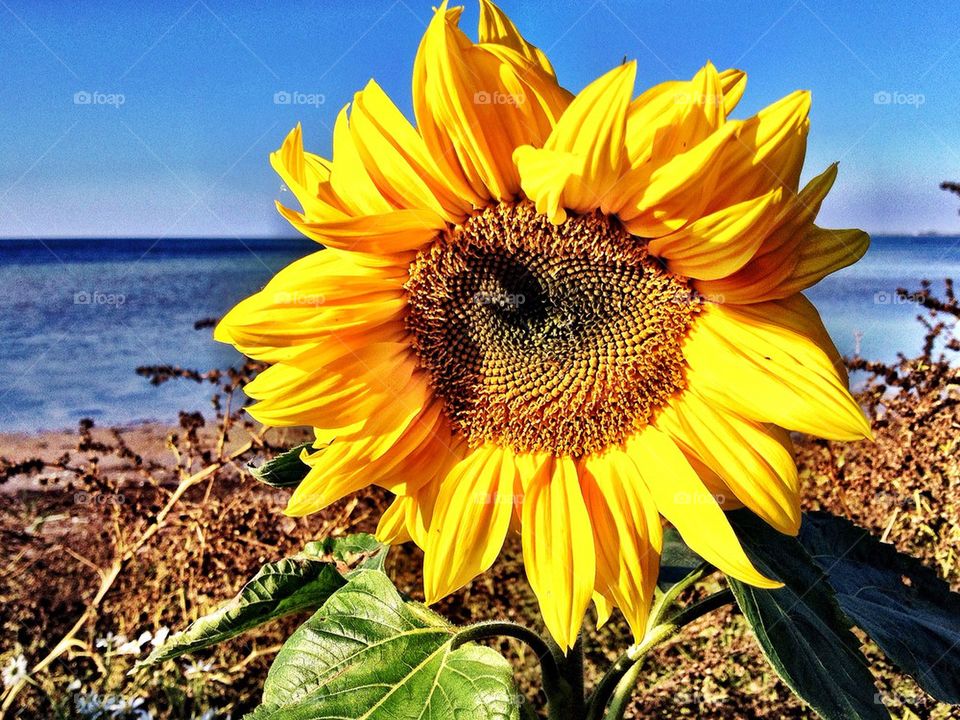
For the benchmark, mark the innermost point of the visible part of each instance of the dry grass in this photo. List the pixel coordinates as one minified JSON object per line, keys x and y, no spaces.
{"x":133,"y":530}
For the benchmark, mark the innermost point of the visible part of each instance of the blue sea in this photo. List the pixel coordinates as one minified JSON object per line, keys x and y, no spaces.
{"x":77,"y":317}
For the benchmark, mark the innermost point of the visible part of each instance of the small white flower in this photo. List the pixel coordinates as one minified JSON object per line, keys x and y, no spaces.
{"x":134,"y":647}
{"x":160,"y":637}
{"x":120,"y":707}
{"x":111,"y":640}
{"x":197,"y":668}
{"x":88,"y":705}
{"x":14,"y":671}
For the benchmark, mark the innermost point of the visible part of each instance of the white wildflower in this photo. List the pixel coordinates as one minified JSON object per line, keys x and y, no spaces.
{"x":197,"y":668}
{"x":160,"y":637}
{"x":111,"y":640}
{"x":14,"y":671}
{"x":135,"y":647}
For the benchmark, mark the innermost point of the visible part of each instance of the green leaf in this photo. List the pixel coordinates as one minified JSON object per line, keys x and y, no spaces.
{"x":286,"y":470}
{"x":917,"y":624}
{"x":368,"y":654}
{"x":360,"y":551}
{"x":800,"y":627}
{"x":677,"y":560}
{"x":278,"y":589}
{"x":303,"y":582}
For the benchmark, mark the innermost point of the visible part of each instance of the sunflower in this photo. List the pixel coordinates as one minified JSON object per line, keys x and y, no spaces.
{"x":573,"y":317}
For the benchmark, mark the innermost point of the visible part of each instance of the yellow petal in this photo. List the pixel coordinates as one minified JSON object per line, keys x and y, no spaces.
{"x":626,"y":533}
{"x":733,"y":82}
{"x":760,"y":367}
{"x":497,"y":28}
{"x":349,"y":178}
{"x":475,"y":104}
{"x":821,"y":252}
{"x":653,"y":200}
{"x":604,"y":608}
{"x":720,"y":243}
{"x":768,"y":152}
{"x":305,"y":175}
{"x":798,"y":315}
{"x":649,"y":113}
{"x":397,"y":159}
{"x":470,"y":520}
{"x":418,"y":480}
{"x":752,"y":462}
{"x":558,"y":547}
{"x":309,"y":300}
{"x":385,"y":447}
{"x":392,"y":528}
{"x":673,"y":116}
{"x":736,"y":162}
{"x":589,"y":140}
{"x":335,"y":386}
{"x":389,"y":233}
{"x":778,"y":256}
{"x":431,"y":454}
{"x":696,"y":113}
{"x":545,"y":174}
{"x":712,"y":481}
{"x":684,"y":500}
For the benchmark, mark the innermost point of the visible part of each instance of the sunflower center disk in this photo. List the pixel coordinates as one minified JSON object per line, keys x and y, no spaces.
{"x":562,"y":339}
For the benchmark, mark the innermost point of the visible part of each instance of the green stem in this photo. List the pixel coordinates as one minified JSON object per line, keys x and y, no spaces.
{"x":624,"y":691}
{"x":527,"y":712}
{"x":554,"y":666}
{"x":573,"y":674}
{"x":618,"y":683}
{"x":665,"y":601}
{"x":702,"y":607}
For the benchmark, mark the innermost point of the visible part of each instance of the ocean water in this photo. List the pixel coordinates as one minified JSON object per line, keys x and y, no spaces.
{"x":77,"y":317}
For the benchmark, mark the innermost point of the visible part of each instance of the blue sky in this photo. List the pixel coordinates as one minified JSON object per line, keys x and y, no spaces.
{"x":186,"y":152}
